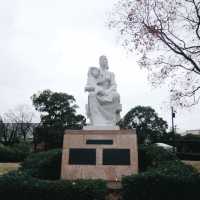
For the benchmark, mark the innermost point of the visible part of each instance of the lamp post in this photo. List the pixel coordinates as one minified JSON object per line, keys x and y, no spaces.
{"x":173,"y":132}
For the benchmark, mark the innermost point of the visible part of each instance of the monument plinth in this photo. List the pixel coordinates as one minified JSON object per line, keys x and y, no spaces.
{"x":99,"y":154}
{"x":101,"y":150}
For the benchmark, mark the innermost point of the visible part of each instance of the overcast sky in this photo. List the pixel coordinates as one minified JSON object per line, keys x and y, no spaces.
{"x":49,"y":44}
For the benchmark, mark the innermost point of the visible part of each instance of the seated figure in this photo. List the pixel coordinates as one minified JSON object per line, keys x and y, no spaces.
{"x":103,"y":108}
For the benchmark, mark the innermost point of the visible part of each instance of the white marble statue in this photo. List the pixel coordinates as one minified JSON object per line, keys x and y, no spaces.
{"x":103,"y":108}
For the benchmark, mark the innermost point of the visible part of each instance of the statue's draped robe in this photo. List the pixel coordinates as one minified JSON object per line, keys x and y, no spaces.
{"x":103,"y":109}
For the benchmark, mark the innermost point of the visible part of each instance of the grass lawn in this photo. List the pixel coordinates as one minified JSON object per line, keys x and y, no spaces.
{"x":6,"y":167}
{"x":195,"y":164}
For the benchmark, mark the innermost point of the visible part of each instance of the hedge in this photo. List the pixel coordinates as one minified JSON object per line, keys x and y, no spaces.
{"x":189,"y":156}
{"x":52,"y":137}
{"x":44,"y":165}
{"x":154,"y":186}
{"x":174,"y":168}
{"x":15,"y":153}
{"x":21,"y":186}
{"x":151,"y":156}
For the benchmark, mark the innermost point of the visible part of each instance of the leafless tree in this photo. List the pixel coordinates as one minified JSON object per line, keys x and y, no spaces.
{"x":167,"y":36}
{"x":16,"y":124}
{"x":8,"y":132}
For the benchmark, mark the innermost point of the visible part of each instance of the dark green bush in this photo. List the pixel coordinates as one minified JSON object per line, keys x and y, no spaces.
{"x":21,"y":186}
{"x":189,"y":156}
{"x":52,"y":137}
{"x":174,"y":168}
{"x":151,"y":156}
{"x":14,"y":153}
{"x":44,"y":165}
{"x":22,"y":146}
{"x":154,"y":186}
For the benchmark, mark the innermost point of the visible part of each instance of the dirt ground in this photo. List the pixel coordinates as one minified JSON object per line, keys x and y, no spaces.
{"x":195,"y":164}
{"x":6,"y":167}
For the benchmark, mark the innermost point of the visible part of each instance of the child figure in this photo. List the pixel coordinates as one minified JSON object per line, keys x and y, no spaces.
{"x":103,"y":106}
{"x":93,"y":76}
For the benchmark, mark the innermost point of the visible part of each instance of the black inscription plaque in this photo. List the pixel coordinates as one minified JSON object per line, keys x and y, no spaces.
{"x":82,"y":156}
{"x":116,"y":157}
{"x":99,"y":142}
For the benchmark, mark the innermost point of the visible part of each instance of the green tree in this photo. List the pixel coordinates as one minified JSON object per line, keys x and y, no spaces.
{"x":146,"y":122}
{"x":58,"y":112}
{"x":166,"y":34}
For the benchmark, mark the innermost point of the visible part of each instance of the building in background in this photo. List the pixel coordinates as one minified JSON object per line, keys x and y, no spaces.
{"x":193,"y":132}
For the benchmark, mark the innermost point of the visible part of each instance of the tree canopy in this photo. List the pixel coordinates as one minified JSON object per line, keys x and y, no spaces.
{"x":167,"y":36}
{"x":58,"y":110}
{"x":147,"y":123}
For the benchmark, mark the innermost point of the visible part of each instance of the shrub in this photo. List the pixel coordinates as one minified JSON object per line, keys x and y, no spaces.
{"x":15,"y":153}
{"x":189,"y":156}
{"x":152,"y":155}
{"x":44,"y":165}
{"x":21,"y":186}
{"x":174,"y":168}
{"x":154,"y":186}
{"x":52,"y":137}
{"x":22,"y":146}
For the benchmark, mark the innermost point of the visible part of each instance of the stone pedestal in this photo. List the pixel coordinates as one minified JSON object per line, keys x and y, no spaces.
{"x":99,"y":154}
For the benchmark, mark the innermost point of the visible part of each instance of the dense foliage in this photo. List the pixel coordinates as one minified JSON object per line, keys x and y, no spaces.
{"x":50,"y":137}
{"x":21,"y":186}
{"x":189,"y":156}
{"x":165,"y":177}
{"x":58,"y":112}
{"x":44,"y":165}
{"x":149,"y":126}
{"x":14,"y":153}
{"x":151,"y":156}
{"x":173,"y":168}
{"x":190,"y":143}
{"x":155,"y":186}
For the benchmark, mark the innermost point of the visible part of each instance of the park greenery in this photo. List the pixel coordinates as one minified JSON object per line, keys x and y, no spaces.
{"x":166,"y":35}
{"x":155,"y":186}
{"x":149,"y":126}
{"x":163,"y":175}
{"x":39,"y":174}
{"x":58,"y":112}
{"x":151,"y":156}
{"x":15,"y":153}
{"x":18,"y":185}
{"x":43,"y":165}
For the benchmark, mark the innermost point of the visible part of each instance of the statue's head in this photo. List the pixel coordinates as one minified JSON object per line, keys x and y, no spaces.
{"x":103,"y":61}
